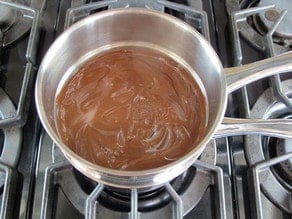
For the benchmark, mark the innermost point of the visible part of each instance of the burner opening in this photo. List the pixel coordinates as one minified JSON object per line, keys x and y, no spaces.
{"x":149,"y":199}
{"x":120,"y":200}
{"x":277,"y":147}
{"x":283,"y":170}
{"x":86,"y":184}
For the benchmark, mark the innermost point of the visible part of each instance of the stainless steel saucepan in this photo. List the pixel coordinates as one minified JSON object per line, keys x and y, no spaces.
{"x":131,"y":26}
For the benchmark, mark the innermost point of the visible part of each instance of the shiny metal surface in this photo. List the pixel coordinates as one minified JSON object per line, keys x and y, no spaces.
{"x":240,"y":76}
{"x":90,"y":204}
{"x":122,"y":22}
{"x":281,"y":128}
{"x":201,"y":199}
{"x":205,"y":184}
{"x":167,"y":31}
{"x":250,"y":44}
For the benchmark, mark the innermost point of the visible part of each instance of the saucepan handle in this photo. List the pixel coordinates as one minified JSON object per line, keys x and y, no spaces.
{"x":280,"y":128}
{"x":237,"y":77}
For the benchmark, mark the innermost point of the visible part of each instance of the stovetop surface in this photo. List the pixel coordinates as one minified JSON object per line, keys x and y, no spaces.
{"x":222,"y":181}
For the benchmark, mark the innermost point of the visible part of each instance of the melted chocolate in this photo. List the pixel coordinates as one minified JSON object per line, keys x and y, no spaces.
{"x":131,"y":108}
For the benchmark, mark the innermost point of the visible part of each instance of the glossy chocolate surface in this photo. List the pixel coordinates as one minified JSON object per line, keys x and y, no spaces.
{"x":131,"y":108}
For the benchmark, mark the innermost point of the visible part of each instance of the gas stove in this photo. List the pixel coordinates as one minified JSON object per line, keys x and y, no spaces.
{"x":246,"y":176}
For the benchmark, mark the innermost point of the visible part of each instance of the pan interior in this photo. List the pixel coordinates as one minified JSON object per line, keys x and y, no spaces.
{"x":121,"y":46}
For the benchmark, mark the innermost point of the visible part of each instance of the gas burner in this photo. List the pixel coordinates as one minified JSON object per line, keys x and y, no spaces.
{"x":254,"y":19}
{"x":259,"y":148}
{"x":284,"y":147}
{"x":13,"y":22}
{"x":11,"y":136}
{"x":270,"y":16}
{"x":154,"y":198}
{"x":10,"y":140}
{"x":266,"y":19}
{"x":149,"y":199}
{"x":276,"y":147}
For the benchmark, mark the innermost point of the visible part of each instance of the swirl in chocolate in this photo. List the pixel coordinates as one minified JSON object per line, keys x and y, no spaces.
{"x":132,"y":108}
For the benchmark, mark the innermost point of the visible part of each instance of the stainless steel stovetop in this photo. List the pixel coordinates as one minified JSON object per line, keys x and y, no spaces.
{"x":236,"y":177}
